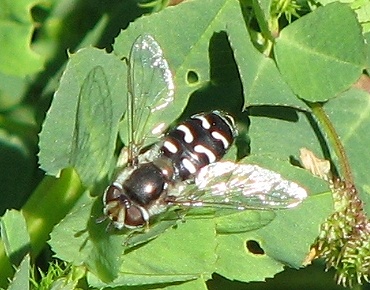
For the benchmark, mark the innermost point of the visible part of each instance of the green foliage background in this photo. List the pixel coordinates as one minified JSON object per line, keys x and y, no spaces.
{"x":49,"y":52}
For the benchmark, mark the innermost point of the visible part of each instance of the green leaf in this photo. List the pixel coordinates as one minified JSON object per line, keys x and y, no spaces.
{"x":82,"y":124}
{"x":72,"y":231}
{"x":209,"y":59}
{"x":289,"y":237}
{"x":261,"y":80}
{"x":191,"y":54}
{"x":262,"y":10}
{"x":274,"y":237}
{"x":233,"y":259}
{"x":190,"y":285}
{"x":93,"y":120}
{"x":14,"y":235}
{"x":199,"y":283}
{"x":21,"y":278}
{"x":362,"y":9}
{"x":78,"y":239}
{"x":196,"y":253}
{"x":243,"y":221}
{"x":286,"y":240}
{"x":16,"y":31}
{"x":278,"y":133}
{"x":12,"y":90}
{"x":176,"y":255}
{"x":321,"y":54}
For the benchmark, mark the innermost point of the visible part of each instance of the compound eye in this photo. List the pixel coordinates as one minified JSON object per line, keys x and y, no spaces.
{"x":135,"y":217}
{"x":112,"y":193}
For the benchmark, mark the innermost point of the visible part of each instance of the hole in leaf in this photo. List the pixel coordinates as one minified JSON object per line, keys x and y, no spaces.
{"x":294,"y":161}
{"x":254,"y":247}
{"x":192,"y":77}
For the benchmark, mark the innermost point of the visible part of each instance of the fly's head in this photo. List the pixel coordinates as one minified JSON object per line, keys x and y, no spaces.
{"x":121,"y":211}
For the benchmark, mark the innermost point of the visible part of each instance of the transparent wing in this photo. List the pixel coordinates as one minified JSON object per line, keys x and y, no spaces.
{"x":241,"y":186}
{"x":151,"y":90}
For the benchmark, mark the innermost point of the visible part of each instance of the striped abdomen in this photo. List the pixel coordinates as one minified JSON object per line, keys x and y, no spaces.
{"x":197,"y":142}
{"x":134,"y":197}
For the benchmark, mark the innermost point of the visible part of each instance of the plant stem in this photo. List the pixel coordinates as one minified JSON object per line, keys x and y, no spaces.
{"x":322,"y":117}
{"x":50,"y":202}
{"x":6,"y":268}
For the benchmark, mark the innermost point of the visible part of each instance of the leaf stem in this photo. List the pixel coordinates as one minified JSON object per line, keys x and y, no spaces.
{"x":332,"y":135}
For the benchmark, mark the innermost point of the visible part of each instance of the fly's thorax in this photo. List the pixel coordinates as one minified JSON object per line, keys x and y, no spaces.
{"x":145,"y":184}
{"x":202,"y":139}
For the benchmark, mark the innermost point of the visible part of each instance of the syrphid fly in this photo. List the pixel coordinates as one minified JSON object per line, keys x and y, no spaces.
{"x":184,"y":168}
